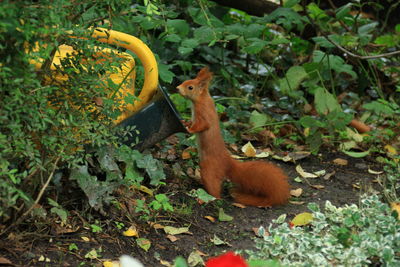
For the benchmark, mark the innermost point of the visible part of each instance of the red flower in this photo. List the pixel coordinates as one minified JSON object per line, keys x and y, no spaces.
{"x":228,"y":259}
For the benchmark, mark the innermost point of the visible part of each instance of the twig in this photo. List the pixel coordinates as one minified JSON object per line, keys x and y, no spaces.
{"x":39,"y":196}
{"x":342,"y":48}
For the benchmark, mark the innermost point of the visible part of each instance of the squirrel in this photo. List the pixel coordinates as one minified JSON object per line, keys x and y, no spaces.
{"x":257,"y":183}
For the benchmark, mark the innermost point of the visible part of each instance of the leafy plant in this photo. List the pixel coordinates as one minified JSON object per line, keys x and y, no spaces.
{"x":348,"y":235}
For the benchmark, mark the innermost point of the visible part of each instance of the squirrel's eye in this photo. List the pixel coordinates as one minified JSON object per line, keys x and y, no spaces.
{"x":190,"y":87}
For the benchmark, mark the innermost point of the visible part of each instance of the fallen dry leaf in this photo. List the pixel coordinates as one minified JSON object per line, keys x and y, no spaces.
{"x":305,"y":174}
{"x":374,"y":172}
{"x":356,"y":186}
{"x":296,"y":192}
{"x":318,"y":186}
{"x":339,"y":161}
{"x":256,"y":232}
{"x":329,"y":175}
{"x":238,"y":205}
{"x":86,"y":239}
{"x":249,"y":150}
{"x":132,"y":231}
{"x":296,"y":202}
{"x":172,"y":238}
{"x":158,"y":226}
{"x":210,"y":218}
{"x":4,"y":261}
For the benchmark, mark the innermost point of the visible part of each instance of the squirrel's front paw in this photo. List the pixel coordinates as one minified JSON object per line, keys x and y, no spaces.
{"x":186,"y":123}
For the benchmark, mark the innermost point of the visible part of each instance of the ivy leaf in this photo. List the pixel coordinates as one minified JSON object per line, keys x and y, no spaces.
{"x":95,"y":190}
{"x":153,"y":168}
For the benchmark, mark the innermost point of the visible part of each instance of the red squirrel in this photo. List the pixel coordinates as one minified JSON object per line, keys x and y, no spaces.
{"x":257,"y":183}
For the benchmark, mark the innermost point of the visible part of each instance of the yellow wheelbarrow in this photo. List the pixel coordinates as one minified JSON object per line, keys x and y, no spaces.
{"x":153,"y":115}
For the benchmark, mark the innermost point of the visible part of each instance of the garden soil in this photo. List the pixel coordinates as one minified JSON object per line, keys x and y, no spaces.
{"x":77,"y":244}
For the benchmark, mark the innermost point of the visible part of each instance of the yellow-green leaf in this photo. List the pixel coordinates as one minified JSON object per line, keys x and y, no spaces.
{"x":302,"y":219}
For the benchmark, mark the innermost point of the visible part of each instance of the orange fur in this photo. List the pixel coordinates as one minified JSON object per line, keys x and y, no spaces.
{"x":257,"y":183}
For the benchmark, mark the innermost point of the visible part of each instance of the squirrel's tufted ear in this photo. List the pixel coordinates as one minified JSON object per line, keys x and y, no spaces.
{"x":204,"y":74}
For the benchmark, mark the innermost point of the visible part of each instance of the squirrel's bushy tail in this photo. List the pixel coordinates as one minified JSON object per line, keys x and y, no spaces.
{"x":259,"y":183}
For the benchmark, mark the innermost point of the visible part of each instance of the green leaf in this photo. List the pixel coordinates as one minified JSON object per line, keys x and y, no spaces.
{"x":202,"y":195}
{"x":387,"y":40}
{"x":343,"y":11}
{"x":254,"y":46}
{"x":310,"y":122}
{"x":153,"y":168}
{"x":357,"y":154}
{"x":290,"y":3}
{"x":334,"y":62}
{"x":179,"y":26}
{"x":143,"y":243}
{"x":367,"y":28}
{"x":180,"y":262}
{"x":325,"y":102}
{"x":379,"y":107}
{"x":165,"y":74}
{"x":223,"y":217}
{"x":173,"y":38}
{"x":204,"y":34}
{"x":63,"y":214}
{"x":95,"y":190}
{"x":294,"y":76}
{"x":258,"y":120}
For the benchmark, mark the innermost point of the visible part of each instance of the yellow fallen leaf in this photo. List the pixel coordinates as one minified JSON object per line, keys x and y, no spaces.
{"x":306,"y":132}
{"x":132,"y":231}
{"x":396,"y":207}
{"x":249,"y":150}
{"x":86,"y":239}
{"x":146,"y":190}
{"x":390,"y":150}
{"x":111,"y":264}
{"x":302,"y":219}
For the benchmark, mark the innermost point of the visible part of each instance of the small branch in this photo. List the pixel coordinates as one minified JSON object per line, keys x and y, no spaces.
{"x":39,"y":196}
{"x":342,"y":48}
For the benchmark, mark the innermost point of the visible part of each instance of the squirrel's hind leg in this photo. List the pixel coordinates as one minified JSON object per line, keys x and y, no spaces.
{"x":211,"y":178}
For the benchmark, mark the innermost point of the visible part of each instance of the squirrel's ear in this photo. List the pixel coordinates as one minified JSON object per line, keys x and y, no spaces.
{"x":204,"y":75}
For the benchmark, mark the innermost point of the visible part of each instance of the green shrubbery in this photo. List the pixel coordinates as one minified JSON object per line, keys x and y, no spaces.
{"x":367,"y":234}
